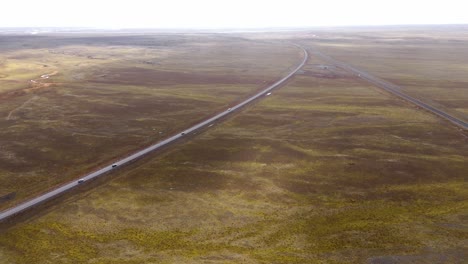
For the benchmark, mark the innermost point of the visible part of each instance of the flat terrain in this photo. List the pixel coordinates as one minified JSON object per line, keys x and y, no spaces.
{"x":328,"y":169}
{"x":72,"y":103}
{"x":428,"y":63}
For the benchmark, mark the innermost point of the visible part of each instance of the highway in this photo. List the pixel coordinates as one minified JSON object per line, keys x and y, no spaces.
{"x":389,"y":87}
{"x":207,"y":123}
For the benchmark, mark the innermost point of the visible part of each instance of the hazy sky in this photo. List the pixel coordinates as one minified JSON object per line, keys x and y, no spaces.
{"x":222,"y":14}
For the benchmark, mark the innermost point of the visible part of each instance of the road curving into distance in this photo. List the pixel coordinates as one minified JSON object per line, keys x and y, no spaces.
{"x":8,"y":213}
{"x":390,"y":87}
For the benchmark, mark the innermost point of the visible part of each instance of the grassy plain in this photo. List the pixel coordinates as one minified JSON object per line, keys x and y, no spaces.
{"x":429,"y":63}
{"x":325,"y":170}
{"x":105,"y":96}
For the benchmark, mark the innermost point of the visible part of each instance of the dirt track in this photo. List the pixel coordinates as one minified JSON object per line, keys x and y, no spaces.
{"x":35,"y":85}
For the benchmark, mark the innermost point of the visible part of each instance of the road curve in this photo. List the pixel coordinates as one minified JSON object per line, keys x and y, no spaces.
{"x":391,"y":88}
{"x":67,"y":187}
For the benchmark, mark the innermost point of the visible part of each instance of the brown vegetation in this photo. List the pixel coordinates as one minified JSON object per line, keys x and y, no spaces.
{"x":84,"y":112}
{"x":324,"y":170}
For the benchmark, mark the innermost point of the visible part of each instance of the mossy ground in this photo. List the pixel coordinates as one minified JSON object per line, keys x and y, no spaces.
{"x":324,"y":170}
{"x":113,"y":95}
{"x":428,"y":63}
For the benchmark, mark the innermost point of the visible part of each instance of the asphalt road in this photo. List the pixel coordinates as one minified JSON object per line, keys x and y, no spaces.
{"x":207,"y":123}
{"x":390,"y":87}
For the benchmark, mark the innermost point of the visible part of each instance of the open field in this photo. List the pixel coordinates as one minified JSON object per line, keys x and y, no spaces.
{"x":429,"y":63}
{"x":71,"y":103}
{"x":325,"y":170}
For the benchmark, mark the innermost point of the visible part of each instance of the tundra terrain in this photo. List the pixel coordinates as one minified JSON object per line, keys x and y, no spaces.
{"x":70,"y":104}
{"x":326,"y":169}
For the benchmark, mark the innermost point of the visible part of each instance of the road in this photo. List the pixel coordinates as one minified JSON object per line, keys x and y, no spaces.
{"x":389,"y":87}
{"x":207,"y":123}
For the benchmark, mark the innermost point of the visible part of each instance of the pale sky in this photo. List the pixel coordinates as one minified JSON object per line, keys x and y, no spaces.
{"x":228,"y":14}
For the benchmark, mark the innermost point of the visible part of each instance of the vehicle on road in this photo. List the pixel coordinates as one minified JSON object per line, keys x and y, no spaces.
{"x":81,"y":180}
{"x":58,"y":191}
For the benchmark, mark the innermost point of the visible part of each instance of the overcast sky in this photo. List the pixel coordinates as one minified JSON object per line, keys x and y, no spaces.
{"x":228,"y":14}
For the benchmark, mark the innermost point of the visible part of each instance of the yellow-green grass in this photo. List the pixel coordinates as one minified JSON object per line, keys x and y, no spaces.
{"x":322,"y":171}
{"x":113,"y":95}
{"x":429,"y":64}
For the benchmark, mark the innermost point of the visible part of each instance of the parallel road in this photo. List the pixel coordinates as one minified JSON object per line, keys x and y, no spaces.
{"x":391,"y":88}
{"x":64,"y":188}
